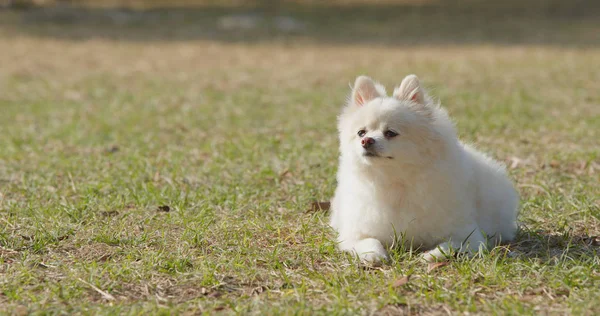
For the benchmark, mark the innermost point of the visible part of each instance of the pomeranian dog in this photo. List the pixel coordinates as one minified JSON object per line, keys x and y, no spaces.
{"x":403,"y":172}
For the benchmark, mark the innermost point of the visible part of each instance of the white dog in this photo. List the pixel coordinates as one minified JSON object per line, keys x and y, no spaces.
{"x":403,"y":172}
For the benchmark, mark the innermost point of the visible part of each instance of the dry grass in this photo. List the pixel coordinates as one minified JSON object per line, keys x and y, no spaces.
{"x":104,"y":121}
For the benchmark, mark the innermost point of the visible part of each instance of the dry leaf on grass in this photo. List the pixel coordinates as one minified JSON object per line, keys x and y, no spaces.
{"x":112,"y":149}
{"x":163,"y":208}
{"x":436,"y":265}
{"x":402,"y":281}
{"x":284,"y":174}
{"x":109,"y":213}
{"x":317,"y":206}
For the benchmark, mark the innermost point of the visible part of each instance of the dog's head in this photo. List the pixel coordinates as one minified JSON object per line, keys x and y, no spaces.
{"x":377,"y":130}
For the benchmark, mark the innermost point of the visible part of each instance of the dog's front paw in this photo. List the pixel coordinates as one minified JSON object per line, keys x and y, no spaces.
{"x":433,"y":255}
{"x":374,"y":258}
{"x":371,"y":250}
{"x":440,"y":253}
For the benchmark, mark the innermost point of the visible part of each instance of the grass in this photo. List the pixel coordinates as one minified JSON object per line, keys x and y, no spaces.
{"x":166,"y":166}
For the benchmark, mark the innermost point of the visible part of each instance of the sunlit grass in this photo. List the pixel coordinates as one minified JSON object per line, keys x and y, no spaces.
{"x":97,"y":137}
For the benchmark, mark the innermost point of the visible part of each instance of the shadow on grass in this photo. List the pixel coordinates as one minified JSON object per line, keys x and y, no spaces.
{"x":550,"y":247}
{"x":414,"y":22}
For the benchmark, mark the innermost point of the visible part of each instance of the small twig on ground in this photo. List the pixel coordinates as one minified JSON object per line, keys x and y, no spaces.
{"x":105,"y":295}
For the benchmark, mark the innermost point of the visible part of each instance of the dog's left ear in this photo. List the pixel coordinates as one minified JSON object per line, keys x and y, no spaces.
{"x":365,"y":90}
{"x":410,"y":90}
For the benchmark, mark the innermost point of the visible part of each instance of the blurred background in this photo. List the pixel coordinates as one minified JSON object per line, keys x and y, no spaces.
{"x":390,"y":22}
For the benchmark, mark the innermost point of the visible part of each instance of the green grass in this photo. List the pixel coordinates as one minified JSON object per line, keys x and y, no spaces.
{"x":238,"y":138}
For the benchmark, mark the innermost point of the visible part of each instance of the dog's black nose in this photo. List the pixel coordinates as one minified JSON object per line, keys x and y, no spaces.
{"x":367,"y":142}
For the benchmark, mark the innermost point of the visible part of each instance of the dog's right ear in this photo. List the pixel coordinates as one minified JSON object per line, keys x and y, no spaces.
{"x":364,"y":91}
{"x":410,"y":89}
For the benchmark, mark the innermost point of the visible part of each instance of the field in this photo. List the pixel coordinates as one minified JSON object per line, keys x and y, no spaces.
{"x":162,"y":160}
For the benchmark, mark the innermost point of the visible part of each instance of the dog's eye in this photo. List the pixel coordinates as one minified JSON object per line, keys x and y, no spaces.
{"x":361,"y":133}
{"x":390,"y":134}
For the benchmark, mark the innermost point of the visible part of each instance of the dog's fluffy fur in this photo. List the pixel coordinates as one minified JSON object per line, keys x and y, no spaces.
{"x":423,"y":184}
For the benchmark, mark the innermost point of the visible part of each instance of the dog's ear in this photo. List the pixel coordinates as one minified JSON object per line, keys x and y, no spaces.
{"x":410,"y":90}
{"x":364,"y":91}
